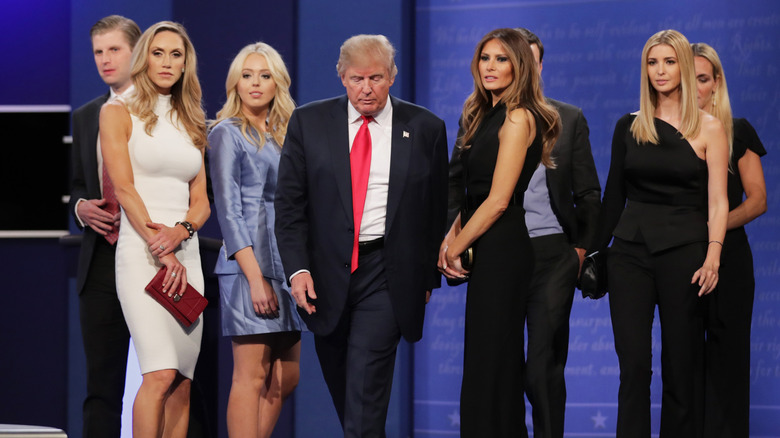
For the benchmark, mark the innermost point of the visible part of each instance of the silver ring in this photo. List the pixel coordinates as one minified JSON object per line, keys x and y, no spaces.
{"x":162,"y":248}
{"x":173,"y":274}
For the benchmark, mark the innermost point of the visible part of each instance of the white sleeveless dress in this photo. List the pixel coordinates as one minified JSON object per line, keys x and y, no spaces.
{"x":163,"y":165}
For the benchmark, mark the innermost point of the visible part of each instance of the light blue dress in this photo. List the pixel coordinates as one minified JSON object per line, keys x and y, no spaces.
{"x":244,"y":182}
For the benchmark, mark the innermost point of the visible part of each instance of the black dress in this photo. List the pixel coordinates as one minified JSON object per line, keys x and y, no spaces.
{"x":731,"y":312}
{"x":491,"y":400}
{"x":655,"y":205}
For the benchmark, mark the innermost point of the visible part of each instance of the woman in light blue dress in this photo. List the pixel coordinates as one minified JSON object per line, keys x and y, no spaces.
{"x":257,"y":309}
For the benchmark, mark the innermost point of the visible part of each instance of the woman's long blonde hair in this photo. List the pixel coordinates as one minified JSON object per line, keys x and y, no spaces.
{"x":643,"y":126}
{"x":721,"y":104}
{"x":525,"y":91}
{"x":185,"y":93}
{"x":281,"y":107}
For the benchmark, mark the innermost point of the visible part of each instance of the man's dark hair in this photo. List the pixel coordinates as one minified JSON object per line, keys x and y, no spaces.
{"x":532,"y":39}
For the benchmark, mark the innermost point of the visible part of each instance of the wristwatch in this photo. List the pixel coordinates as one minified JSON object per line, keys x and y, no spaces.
{"x":188,"y":226}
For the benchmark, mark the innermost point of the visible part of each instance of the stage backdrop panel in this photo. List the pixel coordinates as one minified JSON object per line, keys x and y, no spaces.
{"x":592,"y":60}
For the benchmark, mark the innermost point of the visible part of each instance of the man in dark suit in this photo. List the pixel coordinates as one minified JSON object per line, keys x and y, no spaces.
{"x":562,"y":207}
{"x":368,"y":294}
{"x":103,"y":327}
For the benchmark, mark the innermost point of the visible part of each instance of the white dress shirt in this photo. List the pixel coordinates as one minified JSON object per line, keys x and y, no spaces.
{"x":372,"y":226}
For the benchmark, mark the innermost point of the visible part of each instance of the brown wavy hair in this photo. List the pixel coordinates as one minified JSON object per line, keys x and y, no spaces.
{"x":525,"y":91}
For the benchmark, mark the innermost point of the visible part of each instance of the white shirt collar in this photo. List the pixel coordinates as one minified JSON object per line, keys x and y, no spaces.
{"x":126,"y":92}
{"x":383,"y":118}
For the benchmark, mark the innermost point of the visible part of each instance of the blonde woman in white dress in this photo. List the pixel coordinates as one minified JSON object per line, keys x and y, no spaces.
{"x":153,"y":143}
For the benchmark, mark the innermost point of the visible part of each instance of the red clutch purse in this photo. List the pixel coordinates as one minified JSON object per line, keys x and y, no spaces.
{"x":185,"y":308}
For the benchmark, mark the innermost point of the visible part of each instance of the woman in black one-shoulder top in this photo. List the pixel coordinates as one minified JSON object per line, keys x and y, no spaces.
{"x":727,"y":326}
{"x":665,"y":204}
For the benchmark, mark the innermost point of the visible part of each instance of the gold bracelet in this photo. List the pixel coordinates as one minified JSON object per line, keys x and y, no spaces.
{"x":716,"y":241}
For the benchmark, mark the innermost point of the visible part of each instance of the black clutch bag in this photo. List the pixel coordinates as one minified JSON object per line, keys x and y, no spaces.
{"x":467,"y":262}
{"x":593,"y":277}
{"x":467,"y":258}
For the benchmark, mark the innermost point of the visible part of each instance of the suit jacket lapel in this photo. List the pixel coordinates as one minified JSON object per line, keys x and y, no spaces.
{"x":338,"y":145}
{"x":400,"y":156}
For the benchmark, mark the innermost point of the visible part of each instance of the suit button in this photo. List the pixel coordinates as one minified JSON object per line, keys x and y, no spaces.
{"x":346,"y":265}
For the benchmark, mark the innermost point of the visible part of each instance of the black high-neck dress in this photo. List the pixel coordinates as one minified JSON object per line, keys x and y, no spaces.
{"x":491,"y":400}
{"x":731,"y":313}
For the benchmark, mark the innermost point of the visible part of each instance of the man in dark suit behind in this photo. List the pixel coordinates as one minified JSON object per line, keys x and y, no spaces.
{"x":562,"y":207}
{"x":358,"y":306}
{"x":103,"y":327}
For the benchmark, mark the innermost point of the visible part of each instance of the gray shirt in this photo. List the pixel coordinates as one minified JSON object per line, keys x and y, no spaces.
{"x":539,"y":216}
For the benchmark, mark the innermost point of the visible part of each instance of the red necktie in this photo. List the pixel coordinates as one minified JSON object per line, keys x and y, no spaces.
{"x":111,"y":206}
{"x":360,"y":164}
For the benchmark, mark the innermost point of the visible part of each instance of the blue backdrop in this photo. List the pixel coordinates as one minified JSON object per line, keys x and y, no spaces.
{"x":592,"y":60}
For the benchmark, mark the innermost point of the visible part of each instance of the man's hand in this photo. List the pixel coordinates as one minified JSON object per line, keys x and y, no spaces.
{"x":91,"y":212}
{"x":302,"y":286}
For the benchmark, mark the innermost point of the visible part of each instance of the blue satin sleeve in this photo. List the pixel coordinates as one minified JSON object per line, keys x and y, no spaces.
{"x":244,"y":181}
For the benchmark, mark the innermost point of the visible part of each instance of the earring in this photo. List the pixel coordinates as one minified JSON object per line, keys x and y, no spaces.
{"x":182,"y":69}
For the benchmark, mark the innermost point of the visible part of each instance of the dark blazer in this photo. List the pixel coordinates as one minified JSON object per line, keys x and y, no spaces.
{"x":314,"y":225}
{"x":84,"y":177}
{"x":573,"y":184}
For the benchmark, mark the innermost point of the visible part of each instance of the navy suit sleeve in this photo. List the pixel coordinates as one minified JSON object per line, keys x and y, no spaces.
{"x":586,"y":189}
{"x":292,"y":227}
{"x":439,"y":188}
{"x":78,"y":183}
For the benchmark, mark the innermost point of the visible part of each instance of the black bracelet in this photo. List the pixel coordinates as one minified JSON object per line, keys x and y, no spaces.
{"x":188,"y":226}
{"x":716,"y":241}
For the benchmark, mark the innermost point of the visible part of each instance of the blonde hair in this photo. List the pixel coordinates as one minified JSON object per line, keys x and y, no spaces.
{"x":377,"y":47}
{"x":721,"y":105}
{"x":643,"y":126}
{"x":281,"y":107}
{"x":525,"y":91}
{"x":185,"y":93}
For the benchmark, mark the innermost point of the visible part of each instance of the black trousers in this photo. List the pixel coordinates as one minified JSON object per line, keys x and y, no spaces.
{"x":727,"y":356}
{"x":638,"y":282}
{"x":550,"y":299}
{"x":358,"y":358}
{"x":106,"y":341}
{"x":497,"y":302}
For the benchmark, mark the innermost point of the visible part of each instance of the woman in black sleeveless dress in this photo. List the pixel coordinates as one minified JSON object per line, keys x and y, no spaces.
{"x":665,"y":204}
{"x":508,"y":129}
{"x":727,"y":358}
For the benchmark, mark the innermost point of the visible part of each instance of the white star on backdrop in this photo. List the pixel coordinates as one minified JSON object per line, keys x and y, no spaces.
{"x":599,"y":421}
{"x":454,"y":418}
